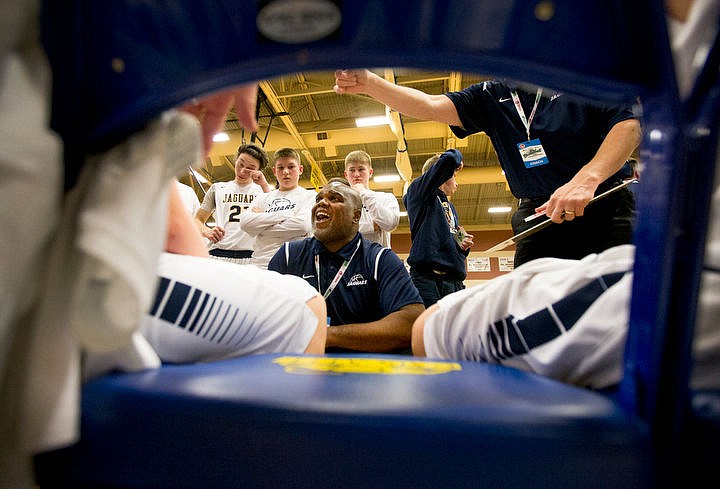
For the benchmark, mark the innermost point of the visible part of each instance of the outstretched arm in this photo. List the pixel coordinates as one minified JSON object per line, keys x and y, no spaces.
{"x":405,"y":100}
{"x":620,"y":142}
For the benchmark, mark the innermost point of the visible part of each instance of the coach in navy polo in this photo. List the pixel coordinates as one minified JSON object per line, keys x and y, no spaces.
{"x":371,"y":301}
{"x":557,"y":153}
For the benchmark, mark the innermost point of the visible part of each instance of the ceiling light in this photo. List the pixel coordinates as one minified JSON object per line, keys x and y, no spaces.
{"x":403,"y":213}
{"x":386,"y":178}
{"x":221,"y":137}
{"x":499,"y":210}
{"x":377,"y":120}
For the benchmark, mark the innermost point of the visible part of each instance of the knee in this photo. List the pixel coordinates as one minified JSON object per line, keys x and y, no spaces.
{"x":317,"y":342}
{"x":418,"y":329}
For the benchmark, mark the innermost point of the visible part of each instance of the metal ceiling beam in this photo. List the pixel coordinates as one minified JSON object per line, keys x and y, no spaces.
{"x":332,"y":127}
{"x":308,"y":99}
{"x":454,"y":84}
{"x":402,"y":159}
{"x":322,"y":91}
{"x":317,"y":177}
{"x":468,"y":176}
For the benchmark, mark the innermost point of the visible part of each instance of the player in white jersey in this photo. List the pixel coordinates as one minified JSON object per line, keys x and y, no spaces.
{"x":381,"y":211}
{"x":229,"y":200}
{"x":207,"y":310}
{"x":282,"y":214}
{"x":566,"y":319}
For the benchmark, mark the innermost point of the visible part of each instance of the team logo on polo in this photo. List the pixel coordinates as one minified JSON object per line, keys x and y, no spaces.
{"x":280,"y":204}
{"x":357,"y":279}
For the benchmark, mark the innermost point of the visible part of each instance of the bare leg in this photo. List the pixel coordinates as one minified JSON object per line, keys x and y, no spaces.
{"x":183,"y":236}
{"x":418,"y":345}
{"x":317,"y":343}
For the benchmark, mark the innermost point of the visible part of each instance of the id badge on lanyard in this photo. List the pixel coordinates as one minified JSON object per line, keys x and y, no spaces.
{"x":531,"y":151}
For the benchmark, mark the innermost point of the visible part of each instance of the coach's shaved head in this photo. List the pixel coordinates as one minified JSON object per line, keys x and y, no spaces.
{"x":342,"y":186}
{"x":336,"y":214}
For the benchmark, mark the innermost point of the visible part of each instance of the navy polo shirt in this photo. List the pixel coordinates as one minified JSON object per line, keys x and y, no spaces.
{"x":570,"y":130}
{"x":374,"y":284}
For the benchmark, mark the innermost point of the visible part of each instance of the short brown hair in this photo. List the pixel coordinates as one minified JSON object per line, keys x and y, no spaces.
{"x":287,"y":153}
{"x":256,"y":152}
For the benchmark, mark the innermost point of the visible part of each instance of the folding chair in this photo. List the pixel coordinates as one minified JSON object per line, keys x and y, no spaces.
{"x":359,"y":420}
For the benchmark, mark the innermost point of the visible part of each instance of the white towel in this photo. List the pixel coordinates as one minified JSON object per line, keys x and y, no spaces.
{"x":30,"y":202}
{"x":137,"y":355}
{"x":122,"y":229}
{"x":102,"y":274}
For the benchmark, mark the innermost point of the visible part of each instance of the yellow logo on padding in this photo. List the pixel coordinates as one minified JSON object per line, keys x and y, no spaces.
{"x":341,"y":365}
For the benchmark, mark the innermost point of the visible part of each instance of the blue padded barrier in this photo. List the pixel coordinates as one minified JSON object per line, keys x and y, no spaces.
{"x":118,"y":63}
{"x":693,"y":417}
{"x":155,"y":55}
{"x":350,"y":421}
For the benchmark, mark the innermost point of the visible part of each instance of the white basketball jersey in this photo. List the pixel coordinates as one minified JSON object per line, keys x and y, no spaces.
{"x":231,"y":200}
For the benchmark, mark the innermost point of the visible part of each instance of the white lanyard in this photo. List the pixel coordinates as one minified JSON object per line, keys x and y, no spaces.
{"x":448,"y":215}
{"x":521,"y":112}
{"x":338,"y":275}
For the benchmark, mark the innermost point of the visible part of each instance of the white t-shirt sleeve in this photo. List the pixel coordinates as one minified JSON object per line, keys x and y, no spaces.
{"x":295,"y":223}
{"x":208,"y":203}
{"x":383,"y":209}
{"x":278,"y":225}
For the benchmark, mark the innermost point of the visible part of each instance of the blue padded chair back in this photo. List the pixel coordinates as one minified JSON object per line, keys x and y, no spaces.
{"x":118,"y":64}
{"x":685,"y":423}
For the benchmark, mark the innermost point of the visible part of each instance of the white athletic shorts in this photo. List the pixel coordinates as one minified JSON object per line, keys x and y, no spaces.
{"x":564,"y":319}
{"x":237,"y":261}
{"x":209,"y":310}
